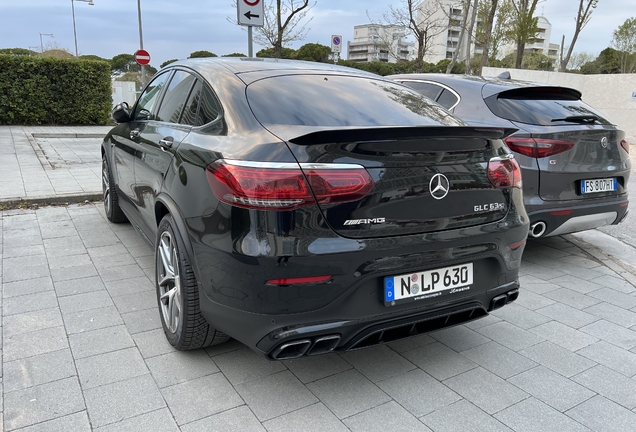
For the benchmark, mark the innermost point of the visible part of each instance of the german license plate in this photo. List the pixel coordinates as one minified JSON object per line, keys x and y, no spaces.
{"x":427,"y":284}
{"x":599,"y":185}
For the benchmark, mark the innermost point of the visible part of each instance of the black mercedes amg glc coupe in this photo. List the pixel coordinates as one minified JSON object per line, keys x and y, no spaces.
{"x":303,"y":208}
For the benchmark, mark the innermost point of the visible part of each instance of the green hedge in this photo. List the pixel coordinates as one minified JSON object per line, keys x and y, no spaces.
{"x":37,"y":90}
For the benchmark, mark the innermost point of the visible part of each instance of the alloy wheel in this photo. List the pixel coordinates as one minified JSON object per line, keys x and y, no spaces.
{"x":169,"y":281}
{"x":106,"y":186}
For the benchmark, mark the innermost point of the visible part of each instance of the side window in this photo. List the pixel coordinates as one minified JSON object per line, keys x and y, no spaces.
{"x":427,"y":89}
{"x":148,"y":98}
{"x":175,"y":97}
{"x":189,"y":116}
{"x":209,"y":109}
{"x":447,"y":99}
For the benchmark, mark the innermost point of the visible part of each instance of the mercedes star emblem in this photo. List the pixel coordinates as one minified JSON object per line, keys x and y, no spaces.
{"x":439,"y":186}
{"x":604,"y":142}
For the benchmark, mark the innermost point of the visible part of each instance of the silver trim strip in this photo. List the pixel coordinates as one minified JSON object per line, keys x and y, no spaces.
{"x":288,"y":165}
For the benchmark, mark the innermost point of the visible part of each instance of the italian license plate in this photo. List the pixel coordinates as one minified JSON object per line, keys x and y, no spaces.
{"x":427,"y":284}
{"x":599,"y":185}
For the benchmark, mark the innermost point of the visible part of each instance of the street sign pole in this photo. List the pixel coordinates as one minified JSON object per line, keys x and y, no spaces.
{"x":250,"y":46}
{"x":141,"y":43}
{"x":336,"y":47}
{"x":250,"y":13}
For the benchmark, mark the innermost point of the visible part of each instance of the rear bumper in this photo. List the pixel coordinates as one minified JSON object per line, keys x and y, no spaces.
{"x":569,"y":217}
{"x":313,"y":338}
{"x":349,"y":312}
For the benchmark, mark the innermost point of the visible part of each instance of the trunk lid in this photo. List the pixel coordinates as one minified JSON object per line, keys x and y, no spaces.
{"x":596,"y":154}
{"x":426,"y":179}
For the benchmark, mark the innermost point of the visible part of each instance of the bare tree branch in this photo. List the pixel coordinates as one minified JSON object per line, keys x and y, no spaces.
{"x":582,"y":18}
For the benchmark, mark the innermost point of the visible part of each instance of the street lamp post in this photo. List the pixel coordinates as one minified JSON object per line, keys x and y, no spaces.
{"x":90,"y":3}
{"x":41,"y":44}
{"x":141,"y":43}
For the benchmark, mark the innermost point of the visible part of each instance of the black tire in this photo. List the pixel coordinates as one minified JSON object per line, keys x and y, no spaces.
{"x":114,"y":213}
{"x":177,"y":287}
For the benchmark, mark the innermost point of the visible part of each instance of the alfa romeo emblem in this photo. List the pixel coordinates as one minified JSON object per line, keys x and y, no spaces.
{"x":604,"y":142}
{"x":439,"y":186}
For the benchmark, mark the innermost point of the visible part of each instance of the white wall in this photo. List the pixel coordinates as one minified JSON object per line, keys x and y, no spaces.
{"x":124,"y":91}
{"x":614,"y":95}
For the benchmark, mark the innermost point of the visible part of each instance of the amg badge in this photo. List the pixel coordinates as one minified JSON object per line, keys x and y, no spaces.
{"x":364,"y":221}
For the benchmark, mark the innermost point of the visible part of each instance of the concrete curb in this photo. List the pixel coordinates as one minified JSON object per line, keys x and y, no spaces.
{"x":66,"y":135}
{"x":76,"y":198}
{"x":615,"y":254}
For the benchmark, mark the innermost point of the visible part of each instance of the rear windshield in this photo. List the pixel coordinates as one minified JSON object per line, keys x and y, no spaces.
{"x":328,"y":100}
{"x":542,"y":106}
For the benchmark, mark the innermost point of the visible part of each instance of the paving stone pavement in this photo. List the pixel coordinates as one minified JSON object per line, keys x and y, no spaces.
{"x":41,"y":162}
{"x":83,"y":349}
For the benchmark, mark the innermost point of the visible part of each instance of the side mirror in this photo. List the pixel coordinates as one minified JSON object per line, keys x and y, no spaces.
{"x":121,"y":113}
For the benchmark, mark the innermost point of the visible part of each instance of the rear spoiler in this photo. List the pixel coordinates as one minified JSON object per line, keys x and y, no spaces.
{"x":392,"y":134}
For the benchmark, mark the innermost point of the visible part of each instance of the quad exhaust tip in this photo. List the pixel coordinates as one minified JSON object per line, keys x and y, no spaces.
{"x":299,"y":348}
{"x":503,"y":299}
{"x":537,"y":229}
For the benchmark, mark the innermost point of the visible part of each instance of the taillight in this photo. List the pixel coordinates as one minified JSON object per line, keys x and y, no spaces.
{"x":504,"y":172}
{"x":625,"y":145}
{"x":537,"y":147}
{"x":285,"y":186}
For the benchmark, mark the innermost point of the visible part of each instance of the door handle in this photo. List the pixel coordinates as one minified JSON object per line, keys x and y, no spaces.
{"x":166,"y":142}
{"x":134,"y":133}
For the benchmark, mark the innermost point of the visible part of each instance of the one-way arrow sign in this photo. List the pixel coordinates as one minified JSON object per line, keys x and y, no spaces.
{"x":250,"y":12}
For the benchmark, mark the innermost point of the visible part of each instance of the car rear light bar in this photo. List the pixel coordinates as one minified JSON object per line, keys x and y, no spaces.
{"x":504,"y":172}
{"x":537,"y":147}
{"x":286,"y":186}
{"x":299,"y":280}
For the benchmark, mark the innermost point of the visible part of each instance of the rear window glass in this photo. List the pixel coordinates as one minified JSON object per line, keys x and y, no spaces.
{"x":340,"y":101}
{"x":427,"y":89}
{"x":545,"y":107}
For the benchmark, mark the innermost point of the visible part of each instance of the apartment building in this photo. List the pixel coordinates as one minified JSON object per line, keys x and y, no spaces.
{"x":375,"y":42}
{"x":450,"y":15}
{"x":541,"y":44}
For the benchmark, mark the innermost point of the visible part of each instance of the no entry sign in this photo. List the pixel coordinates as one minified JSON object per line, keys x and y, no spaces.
{"x":142,"y":57}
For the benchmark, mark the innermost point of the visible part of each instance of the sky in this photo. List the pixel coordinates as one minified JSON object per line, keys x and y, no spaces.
{"x":174,"y":29}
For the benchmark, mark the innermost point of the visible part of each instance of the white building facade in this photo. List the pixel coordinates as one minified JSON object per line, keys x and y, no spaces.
{"x":450,"y":15}
{"x":541,"y":44}
{"x":375,"y":42}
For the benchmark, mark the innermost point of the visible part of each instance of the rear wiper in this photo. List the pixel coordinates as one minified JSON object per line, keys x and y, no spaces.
{"x":590,"y":118}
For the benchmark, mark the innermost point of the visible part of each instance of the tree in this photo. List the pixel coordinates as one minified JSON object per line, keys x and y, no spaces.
{"x":471,"y":25}
{"x":523,"y":27}
{"x":417,"y":18}
{"x":202,"y":54}
{"x":93,"y":57}
{"x":122,"y":63}
{"x":465,"y":6}
{"x":286,"y":53}
{"x":578,"y":59}
{"x":18,"y":51}
{"x":283,"y":23}
{"x":234,"y":55}
{"x":57,"y":53}
{"x":167,"y":62}
{"x":313,"y":52}
{"x":483,"y":35}
{"x":624,"y":40}
{"x":582,"y":18}
{"x":532,"y":61}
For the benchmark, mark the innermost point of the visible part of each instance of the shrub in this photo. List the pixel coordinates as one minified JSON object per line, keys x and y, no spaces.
{"x":36,"y":90}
